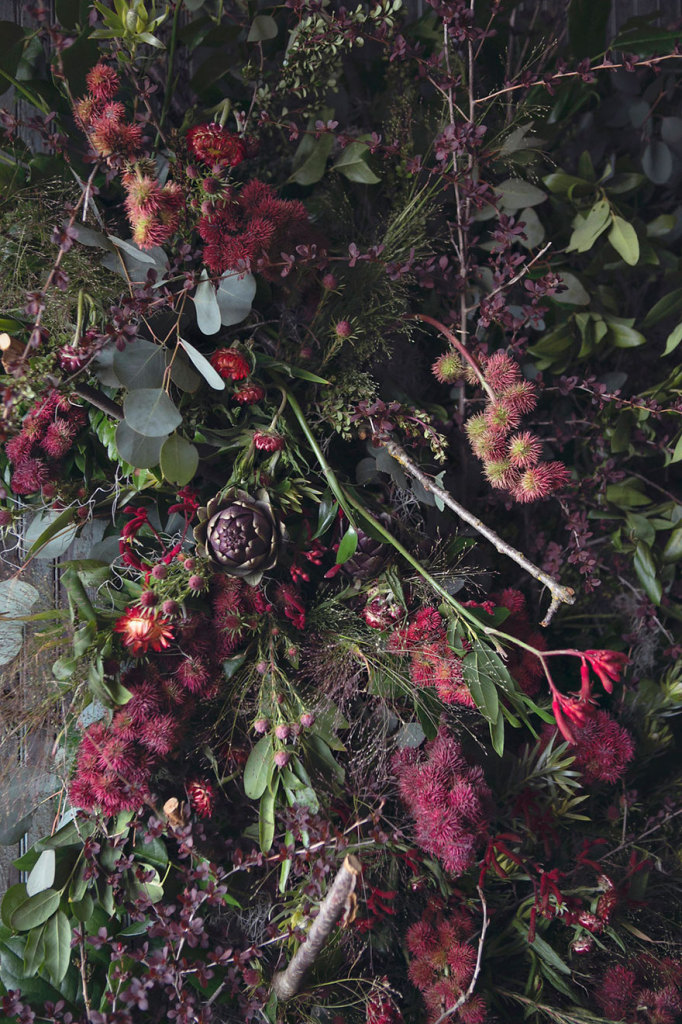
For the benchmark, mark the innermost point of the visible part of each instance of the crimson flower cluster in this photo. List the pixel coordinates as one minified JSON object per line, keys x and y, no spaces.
{"x":232,"y":365}
{"x":103,"y":119}
{"x":511,"y":458}
{"x":46,"y":436}
{"x":432,"y":661}
{"x":248,"y":229}
{"x":447,"y":798}
{"x":443,"y":962}
{"x":116,"y":762}
{"x":650,"y":991}
{"x":601,"y":748}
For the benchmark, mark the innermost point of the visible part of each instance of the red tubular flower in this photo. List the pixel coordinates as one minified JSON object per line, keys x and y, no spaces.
{"x":142,"y":630}
{"x":607,"y":665}
{"x":230,"y":364}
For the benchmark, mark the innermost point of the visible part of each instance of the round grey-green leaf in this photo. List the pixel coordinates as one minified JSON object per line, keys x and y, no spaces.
{"x":35,"y":910}
{"x":140,"y":365}
{"x":179,"y":460}
{"x":235,"y":296}
{"x":150,"y":412}
{"x":657,"y":162}
{"x":140,"y":451}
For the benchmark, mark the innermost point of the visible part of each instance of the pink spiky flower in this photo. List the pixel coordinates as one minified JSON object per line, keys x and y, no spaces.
{"x":202,"y":797}
{"x":102,"y":82}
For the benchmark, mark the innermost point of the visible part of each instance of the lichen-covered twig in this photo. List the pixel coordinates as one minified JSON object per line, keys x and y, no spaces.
{"x":560,"y":594}
{"x":286,"y":983}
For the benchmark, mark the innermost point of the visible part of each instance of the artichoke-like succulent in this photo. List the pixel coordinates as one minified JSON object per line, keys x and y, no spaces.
{"x":240,"y":533}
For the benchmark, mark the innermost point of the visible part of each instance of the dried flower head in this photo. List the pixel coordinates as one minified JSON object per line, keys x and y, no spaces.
{"x":141,"y":630}
{"x":230,"y":364}
{"x":448,"y":368}
{"x":102,"y":82}
{"x":213,"y":145}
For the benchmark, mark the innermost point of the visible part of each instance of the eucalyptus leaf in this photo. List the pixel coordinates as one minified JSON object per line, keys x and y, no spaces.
{"x":150,"y":412}
{"x":202,"y":364}
{"x":262,"y":27}
{"x":235,"y":295}
{"x":657,"y":162}
{"x":51,"y":533}
{"x":140,"y":451}
{"x":206,"y":306}
{"x":140,"y":365}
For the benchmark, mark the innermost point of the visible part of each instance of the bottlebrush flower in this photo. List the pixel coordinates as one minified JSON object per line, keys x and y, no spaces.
{"x":602,"y":748}
{"x":617,"y":992}
{"x":102,"y":82}
{"x":500,"y":371}
{"x":29,"y":476}
{"x":519,"y":398}
{"x":202,"y":797}
{"x":141,"y":630}
{"x":18,"y":448}
{"x":213,"y":145}
{"x":448,"y":368}
{"x":230,"y":364}
{"x":447,"y":798}
{"x":194,"y":673}
{"x":58,"y":438}
{"x":539,"y":481}
{"x":249,"y":395}
{"x":524,"y":450}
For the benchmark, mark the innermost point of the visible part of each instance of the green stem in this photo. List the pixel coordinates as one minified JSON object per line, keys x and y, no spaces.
{"x":169,"y":74}
{"x":34,"y":100}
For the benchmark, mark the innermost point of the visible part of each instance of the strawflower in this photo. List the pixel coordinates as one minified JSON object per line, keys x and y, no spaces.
{"x":230,"y":364}
{"x":141,"y":630}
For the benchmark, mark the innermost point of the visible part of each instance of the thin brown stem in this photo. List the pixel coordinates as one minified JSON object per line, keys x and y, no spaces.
{"x":560,"y":594}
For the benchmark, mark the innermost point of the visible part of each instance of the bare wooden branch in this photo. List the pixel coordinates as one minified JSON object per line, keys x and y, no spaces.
{"x":560,"y":594}
{"x":286,"y":983}
{"x":99,"y":400}
{"x":477,"y":969}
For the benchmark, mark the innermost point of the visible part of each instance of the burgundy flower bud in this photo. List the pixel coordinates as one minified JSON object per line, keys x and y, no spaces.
{"x":189,"y":564}
{"x":160,"y":571}
{"x":282,"y":732}
{"x":343,"y":329}
{"x":196,"y":583}
{"x":170,"y":608}
{"x":148,"y":599}
{"x":307,"y":719}
{"x":261,"y":726}
{"x":240,"y":533}
{"x":282,"y":758}
{"x":329,"y":282}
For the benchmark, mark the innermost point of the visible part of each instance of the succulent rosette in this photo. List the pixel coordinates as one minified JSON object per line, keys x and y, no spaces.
{"x":240,"y":533}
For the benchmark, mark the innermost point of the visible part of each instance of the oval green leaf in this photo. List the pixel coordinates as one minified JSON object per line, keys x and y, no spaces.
{"x":35,"y":910}
{"x":140,"y":451}
{"x":259,"y":768}
{"x":235,"y":296}
{"x":206,"y":305}
{"x":348,"y":545}
{"x":140,"y":365}
{"x":623,"y":238}
{"x":42,"y":873}
{"x":178,"y":460}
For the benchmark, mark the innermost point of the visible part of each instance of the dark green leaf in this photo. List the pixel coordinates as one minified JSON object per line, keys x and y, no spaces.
{"x":57,"y":941}
{"x":673,"y":340}
{"x":497,"y":735}
{"x":266,"y":817}
{"x":672,"y":552}
{"x":481,"y":686}
{"x":35,"y":910}
{"x":352,"y":163}
{"x":262,"y":27}
{"x":13,"y":898}
{"x":588,"y":227}
{"x":645,"y":568}
{"x":310,"y":159}
{"x":34,"y":951}
{"x":669,"y":305}
{"x":657,"y":162}
{"x":259,"y":768}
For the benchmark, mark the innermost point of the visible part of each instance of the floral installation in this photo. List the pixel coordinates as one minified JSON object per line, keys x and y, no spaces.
{"x":337,"y":339}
